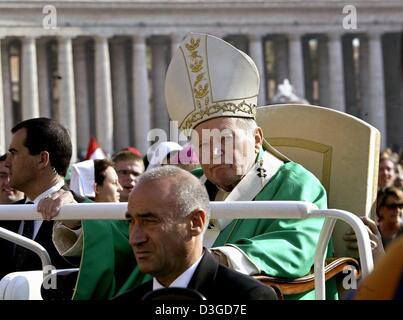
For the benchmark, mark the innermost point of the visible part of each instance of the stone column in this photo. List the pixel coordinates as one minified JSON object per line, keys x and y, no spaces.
{"x":350,"y":77}
{"x":67,"y":103}
{"x":7,"y":98}
{"x":364,"y":103}
{"x":281,"y":59}
{"x":308,"y":62}
{"x":81,"y":94}
{"x":256,"y":53}
{"x":30,"y":97}
{"x":43,"y":79}
{"x":323,"y":72}
{"x":120,"y":90}
{"x":336,"y":73}
{"x":3,"y":147}
{"x":160,"y":118}
{"x":103,"y":95}
{"x":376,"y":92}
{"x":392,"y":56}
{"x":296,"y":64}
{"x":141,"y":103}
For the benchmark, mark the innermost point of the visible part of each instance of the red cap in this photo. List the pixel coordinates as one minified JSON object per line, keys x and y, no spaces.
{"x":132,"y":150}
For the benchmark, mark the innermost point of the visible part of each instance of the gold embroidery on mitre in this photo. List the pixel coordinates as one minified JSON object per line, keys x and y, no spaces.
{"x":199,"y":78}
{"x":201,"y":91}
{"x":200,"y":85}
{"x":197,"y":66}
{"x":193,"y":44}
{"x":226,"y":108}
{"x":198,"y":75}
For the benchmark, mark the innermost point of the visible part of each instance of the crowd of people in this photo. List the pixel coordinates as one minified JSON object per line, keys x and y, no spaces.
{"x":168,"y":239}
{"x":389,"y":205}
{"x":385,"y":231}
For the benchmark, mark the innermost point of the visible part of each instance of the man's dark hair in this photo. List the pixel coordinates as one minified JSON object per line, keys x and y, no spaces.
{"x":45,"y":134}
{"x":100,"y":166}
{"x":3,"y":157}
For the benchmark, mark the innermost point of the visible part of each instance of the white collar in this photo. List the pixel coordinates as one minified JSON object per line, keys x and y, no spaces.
{"x":51,"y":190}
{"x":183,"y":280}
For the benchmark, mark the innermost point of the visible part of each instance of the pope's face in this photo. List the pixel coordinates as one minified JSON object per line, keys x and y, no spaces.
{"x":227,"y":150}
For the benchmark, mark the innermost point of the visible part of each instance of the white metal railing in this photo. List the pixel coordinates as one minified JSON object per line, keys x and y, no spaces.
{"x":223,"y":210}
{"x":30,"y":245}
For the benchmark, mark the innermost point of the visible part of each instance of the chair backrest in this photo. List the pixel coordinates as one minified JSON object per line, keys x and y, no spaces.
{"x":341,"y":150}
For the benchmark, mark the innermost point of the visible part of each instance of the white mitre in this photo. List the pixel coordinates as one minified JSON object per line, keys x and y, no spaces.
{"x":209,"y":78}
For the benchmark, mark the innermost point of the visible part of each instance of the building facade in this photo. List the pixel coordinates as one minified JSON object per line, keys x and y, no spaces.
{"x":99,"y":66}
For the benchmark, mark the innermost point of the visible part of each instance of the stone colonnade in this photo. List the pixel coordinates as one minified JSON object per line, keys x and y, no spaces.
{"x":108,"y":87}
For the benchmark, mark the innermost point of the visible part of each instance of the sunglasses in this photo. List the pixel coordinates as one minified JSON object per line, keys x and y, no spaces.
{"x":394,"y":206}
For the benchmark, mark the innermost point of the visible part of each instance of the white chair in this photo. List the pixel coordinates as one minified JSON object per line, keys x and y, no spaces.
{"x":341,"y":150}
{"x":24,"y":285}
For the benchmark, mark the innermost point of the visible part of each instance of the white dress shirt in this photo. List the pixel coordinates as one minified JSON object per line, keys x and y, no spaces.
{"x":183,"y":280}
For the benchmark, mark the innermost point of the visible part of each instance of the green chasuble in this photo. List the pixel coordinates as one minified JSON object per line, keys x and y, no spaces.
{"x":277,"y":247}
{"x":107,"y":261}
{"x":282,"y":247}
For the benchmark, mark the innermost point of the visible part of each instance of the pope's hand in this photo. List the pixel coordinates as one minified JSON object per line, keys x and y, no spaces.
{"x":374,"y":236}
{"x":50,"y":206}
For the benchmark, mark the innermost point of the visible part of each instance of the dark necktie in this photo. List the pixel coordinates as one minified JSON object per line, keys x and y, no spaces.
{"x":21,"y":252}
{"x":28,"y":229}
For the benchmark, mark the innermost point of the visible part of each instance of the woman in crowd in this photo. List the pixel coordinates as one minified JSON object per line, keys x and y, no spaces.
{"x":389,"y":213}
{"x":96,"y":179}
{"x":106,"y":184}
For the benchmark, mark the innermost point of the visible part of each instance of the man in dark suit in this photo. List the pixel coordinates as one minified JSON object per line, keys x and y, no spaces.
{"x":168,"y":212}
{"x":39,"y":154}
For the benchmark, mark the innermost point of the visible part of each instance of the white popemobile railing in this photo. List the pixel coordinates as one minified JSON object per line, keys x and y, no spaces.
{"x":220,"y":210}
